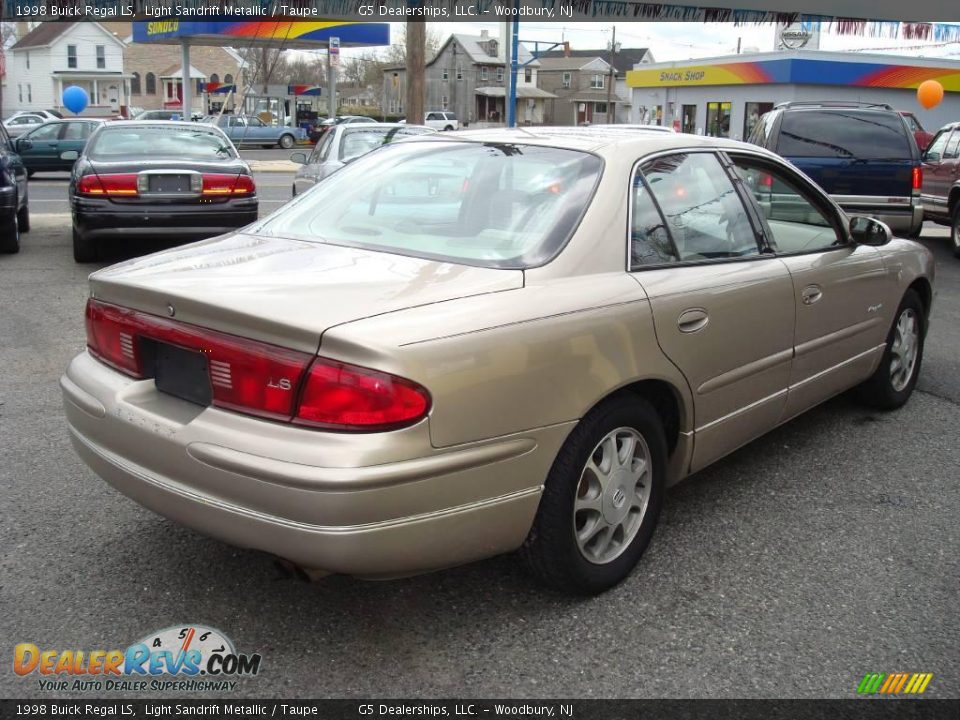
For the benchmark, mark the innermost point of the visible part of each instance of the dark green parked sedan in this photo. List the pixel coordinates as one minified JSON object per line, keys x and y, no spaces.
{"x":55,"y":145}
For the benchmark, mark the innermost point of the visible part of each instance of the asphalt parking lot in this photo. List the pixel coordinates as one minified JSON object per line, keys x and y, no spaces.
{"x":828,"y":549}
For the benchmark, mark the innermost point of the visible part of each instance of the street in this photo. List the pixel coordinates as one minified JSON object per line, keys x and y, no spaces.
{"x":48,"y":190}
{"x":825,"y":550}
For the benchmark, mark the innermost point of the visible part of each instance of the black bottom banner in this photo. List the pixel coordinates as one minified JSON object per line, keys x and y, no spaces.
{"x":854,"y":709}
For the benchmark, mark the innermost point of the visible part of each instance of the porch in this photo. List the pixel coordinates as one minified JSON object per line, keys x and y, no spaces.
{"x":107,"y":90}
{"x":491,"y":104}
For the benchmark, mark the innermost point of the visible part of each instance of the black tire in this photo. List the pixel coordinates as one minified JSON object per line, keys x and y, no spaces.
{"x":916,"y":232}
{"x":10,"y":235}
{"x":551,"y":550}
{"x":448,"y":128}
{"x":84,"y":249}
{"x":293,"y":190}
{"x":955,"y":229}
{"x":286,"y":141}
{"x":881,"y":390}
{"x":23,"y":218}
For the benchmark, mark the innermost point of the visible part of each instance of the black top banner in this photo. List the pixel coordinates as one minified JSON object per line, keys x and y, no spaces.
{"x":744,"y":11}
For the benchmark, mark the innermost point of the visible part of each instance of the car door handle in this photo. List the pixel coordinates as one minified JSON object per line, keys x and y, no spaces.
{"x":811,"y":294}
{"x":693,"y":320}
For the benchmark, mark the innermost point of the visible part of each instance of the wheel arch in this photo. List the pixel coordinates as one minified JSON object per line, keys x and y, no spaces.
{"x":666,"y":400}
{"x":923,"y":288}
{"x":953,"y":198}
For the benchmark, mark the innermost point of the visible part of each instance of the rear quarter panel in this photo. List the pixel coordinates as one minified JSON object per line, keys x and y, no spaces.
{"x":507,"y":362}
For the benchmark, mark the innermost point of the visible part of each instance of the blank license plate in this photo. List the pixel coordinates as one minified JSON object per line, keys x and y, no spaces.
{"x":182,"y":373}
{"x":169,"y":183}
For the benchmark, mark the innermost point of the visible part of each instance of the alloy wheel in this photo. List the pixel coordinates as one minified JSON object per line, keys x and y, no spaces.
{"x":612,"y":495}
{"x":906,"y":343}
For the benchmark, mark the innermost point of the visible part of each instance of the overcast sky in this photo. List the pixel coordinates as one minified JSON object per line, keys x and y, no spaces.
{"x":681,"y":41}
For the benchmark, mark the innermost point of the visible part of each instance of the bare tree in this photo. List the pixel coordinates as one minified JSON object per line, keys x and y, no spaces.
{"x":396,"y":53}
{"x":262,"y":64}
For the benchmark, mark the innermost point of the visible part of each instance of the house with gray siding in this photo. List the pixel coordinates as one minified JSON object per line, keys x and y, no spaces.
{"x":581,"y":95}
{"x":469,"y":77}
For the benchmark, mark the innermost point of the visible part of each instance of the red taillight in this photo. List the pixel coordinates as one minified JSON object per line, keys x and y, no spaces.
{"x":259,"y":378}
{"x":116,"y":185}
{"x":244,"y":186}
{"x":220,"y":184}
{"x":917,"y":178}
{"x":337,"y":395}
{"x":112,"y":337}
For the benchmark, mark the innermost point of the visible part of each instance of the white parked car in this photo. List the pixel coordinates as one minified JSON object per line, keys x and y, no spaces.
{"x":45,"y":114}
{"x":22,"y":123}
{"x":441,"y":120}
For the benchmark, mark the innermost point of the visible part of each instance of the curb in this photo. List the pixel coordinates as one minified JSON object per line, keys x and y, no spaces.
{"x":278,"y":166}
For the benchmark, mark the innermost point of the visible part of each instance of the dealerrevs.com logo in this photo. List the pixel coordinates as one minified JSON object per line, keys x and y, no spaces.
{"x":186,"y":657}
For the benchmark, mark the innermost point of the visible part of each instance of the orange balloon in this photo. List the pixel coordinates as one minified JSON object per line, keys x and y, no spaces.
{"x":930,"y":93}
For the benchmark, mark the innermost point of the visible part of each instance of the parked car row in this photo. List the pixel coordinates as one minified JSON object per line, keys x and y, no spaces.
{"x":864,"y":155}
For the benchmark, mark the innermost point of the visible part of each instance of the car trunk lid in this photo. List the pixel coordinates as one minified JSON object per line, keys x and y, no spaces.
{"x":286,"y":292}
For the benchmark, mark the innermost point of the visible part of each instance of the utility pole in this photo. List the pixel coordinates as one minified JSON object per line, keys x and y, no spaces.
{"x":331,"y":88}
{"x":514,"y":53}
{"x":416,"y":71}
{"x":611,"y":115}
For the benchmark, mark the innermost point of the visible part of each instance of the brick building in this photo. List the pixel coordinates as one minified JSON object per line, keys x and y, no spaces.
{"x":156,"y":76}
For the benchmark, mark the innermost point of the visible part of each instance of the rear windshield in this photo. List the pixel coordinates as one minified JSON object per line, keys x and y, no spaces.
{"x":861,"y":134}
{"x":360,"y":140}
{"x":175,"y":141}
{"x":492,"y":204}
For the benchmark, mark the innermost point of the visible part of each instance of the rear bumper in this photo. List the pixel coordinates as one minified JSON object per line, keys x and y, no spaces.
{"x":369,"y":505}
{"x":102,"y":219}
{"x":901,"y":218}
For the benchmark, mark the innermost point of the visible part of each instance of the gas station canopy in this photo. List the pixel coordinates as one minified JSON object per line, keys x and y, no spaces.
{"x":300,"y":34}
{"x":275,"y":34}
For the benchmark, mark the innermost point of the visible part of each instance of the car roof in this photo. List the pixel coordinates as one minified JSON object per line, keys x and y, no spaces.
{"x":158,"y":123}
{"x":603,"y":140}
{"x":375,"y":125}
{"x":57,"y":121}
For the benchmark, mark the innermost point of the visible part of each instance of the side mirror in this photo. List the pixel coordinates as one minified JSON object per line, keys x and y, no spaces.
{"x":24,"y":144}
{"x":869,"y":231}
{"x":69,"y":155}
{"x":299,"y":158}
{"x":930,"y":156}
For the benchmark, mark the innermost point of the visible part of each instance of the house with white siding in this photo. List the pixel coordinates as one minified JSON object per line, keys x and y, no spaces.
{"x":55,"y":55}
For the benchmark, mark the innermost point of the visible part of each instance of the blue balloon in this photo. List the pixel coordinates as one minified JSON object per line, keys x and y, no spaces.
{"x":75,"y":99}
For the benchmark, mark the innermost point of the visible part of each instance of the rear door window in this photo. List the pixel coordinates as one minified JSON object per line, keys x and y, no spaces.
{"x":705,"y":217}
{"x":842,"y":133}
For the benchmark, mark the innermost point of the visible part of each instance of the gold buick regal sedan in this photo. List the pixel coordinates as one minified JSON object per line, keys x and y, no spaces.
{"x":456,"y":347}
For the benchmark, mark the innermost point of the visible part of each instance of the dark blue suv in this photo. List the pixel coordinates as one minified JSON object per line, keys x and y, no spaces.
{"x":864,"y":155}
{"x":14,"y":212}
